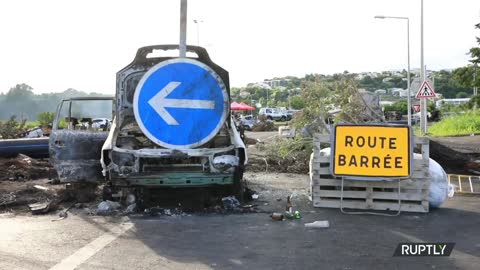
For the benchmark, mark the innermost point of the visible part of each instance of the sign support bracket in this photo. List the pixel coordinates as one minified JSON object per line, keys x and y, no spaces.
{"x":368,"y":212}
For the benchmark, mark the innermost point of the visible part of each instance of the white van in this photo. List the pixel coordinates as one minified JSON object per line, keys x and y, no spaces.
{"x":273,"y":114}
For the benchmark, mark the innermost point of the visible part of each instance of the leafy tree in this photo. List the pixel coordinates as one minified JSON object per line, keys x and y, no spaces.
{"x":475,"y":51}
{"x":297,"y":102}
{"x":462,"y":95}
{"x":316,"y":96}
{"x":447,"y":84}
{"x":465,"y":75}
{"x":21,"y":100}
{"x":19,"y":92}
{"x":474,"y":102}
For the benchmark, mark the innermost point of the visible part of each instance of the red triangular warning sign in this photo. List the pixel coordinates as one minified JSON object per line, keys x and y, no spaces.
{"x":425,"y":91}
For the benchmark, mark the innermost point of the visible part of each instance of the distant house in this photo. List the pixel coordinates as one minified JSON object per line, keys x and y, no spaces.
{"x":396,"y":92}
{"x":399,"y":92}
{"x":260,"y":84}
{"x":277,"y":83}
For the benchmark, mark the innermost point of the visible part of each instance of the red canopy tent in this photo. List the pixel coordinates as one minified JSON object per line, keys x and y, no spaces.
{"x":241,"y":107}
{"x":235,"y":106}
{"x":246,"y":107}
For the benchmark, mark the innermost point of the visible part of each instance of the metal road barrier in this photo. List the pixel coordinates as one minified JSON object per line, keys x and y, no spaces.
{"x":465,"y":183}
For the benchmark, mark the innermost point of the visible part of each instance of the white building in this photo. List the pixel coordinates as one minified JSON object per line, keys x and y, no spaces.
{"x":451,"y":101}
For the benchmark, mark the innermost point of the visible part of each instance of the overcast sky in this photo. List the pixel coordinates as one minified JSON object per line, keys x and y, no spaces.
{"x":54,"y":45}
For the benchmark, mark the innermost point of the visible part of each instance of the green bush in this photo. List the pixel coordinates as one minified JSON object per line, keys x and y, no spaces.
{"x":32,"y":124}
{"x":11,"y":128}
{"x":399,"y":106}
{"x":45,"y":118}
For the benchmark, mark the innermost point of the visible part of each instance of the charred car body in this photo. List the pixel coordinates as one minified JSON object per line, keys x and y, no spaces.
{"x":75,"y":143}
{"x":131,"y":157}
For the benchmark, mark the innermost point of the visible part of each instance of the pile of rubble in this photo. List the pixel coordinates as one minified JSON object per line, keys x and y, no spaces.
{"x":26,"y":185}
{"x":226,"y":206}
{"x":297,"y":162}
{"x":23,"y":168}
{"x":37,"y":196}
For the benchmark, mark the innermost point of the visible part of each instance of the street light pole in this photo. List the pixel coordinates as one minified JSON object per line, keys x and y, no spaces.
{"x":409,"y":102}
{"x":267,"y":97}
{"x":197,"y":22}
{"x":423,"y":107}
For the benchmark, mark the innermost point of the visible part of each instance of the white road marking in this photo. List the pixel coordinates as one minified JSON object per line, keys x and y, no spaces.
{"x":84,"y":253}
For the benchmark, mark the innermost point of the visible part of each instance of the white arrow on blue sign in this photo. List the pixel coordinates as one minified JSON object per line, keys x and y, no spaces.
{"x":180,"y":103}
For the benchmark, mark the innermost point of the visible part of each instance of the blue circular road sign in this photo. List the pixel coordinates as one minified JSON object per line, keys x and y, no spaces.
{"x":180,"y":103}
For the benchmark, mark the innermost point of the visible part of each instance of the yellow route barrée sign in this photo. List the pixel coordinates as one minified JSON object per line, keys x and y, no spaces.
{"x":372,"y":151}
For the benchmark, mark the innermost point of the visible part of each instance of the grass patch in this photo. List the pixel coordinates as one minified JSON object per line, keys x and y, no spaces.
{"x":464,"y":124}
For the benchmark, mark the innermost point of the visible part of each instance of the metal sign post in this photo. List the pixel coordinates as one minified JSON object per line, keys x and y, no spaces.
{"x":183,"y":29}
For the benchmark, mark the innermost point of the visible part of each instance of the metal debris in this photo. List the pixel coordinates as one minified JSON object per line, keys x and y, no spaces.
{"x":41,"y":187}
{"x":230,"y":202}
{"x":318,"y":224}
{"x":42,"y":208}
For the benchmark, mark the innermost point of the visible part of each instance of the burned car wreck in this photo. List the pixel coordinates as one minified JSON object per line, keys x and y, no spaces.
{"x":75,"y":143}
{"x":131,"y":158}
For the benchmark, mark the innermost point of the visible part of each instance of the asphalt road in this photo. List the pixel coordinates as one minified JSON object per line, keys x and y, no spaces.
{"x":242,"y":241}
